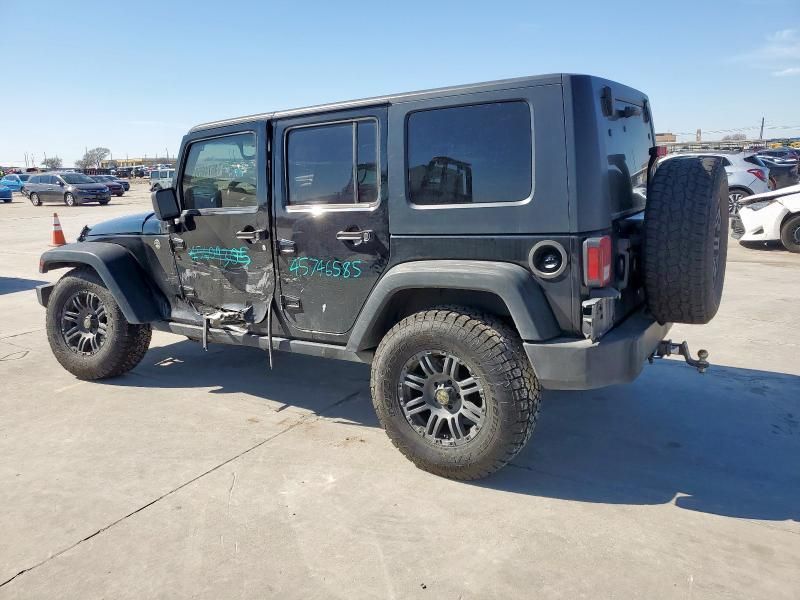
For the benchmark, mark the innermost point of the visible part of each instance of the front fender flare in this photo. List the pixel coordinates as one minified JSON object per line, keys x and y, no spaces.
{"x":513,"y":284}
{"x":118,"y":269}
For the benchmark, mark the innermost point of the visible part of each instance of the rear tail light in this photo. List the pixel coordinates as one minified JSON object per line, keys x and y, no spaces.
{"x":597,"y":261}
{"x":659,"y":151}
{"x":758,"y":173}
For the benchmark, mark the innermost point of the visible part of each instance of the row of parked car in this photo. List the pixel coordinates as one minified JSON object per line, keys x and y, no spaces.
{"x":68,"y":187}
{"x":763,"y":195}
{"x":755,"y":172}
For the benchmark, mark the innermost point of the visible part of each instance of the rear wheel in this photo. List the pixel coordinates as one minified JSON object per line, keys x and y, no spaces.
{"x":790,"y":234}
{"x":735,"y":196}
{"x":69,"y":199}
{"x":35,"y":200}
{"x":87,"y":331}
{"x":455,"y":391}
{"x":104,"y":202}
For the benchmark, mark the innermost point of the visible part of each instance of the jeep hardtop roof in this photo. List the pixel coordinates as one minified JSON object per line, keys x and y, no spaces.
{"x":553,"y":79}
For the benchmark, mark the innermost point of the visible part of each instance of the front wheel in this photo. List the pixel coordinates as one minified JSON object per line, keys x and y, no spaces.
{"x":455,"y":391}
{"x":104,"y":202}
{"x":790,"y":234}
{"x":87,"y":331}
{"x":69,"y":199}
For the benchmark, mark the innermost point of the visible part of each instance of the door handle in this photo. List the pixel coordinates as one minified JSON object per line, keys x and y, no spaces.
{"x":357,"y":237}
{"x":252,"y":234}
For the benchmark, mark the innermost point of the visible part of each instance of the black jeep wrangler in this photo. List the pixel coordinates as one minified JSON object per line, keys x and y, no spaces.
{"x":475,"y":244}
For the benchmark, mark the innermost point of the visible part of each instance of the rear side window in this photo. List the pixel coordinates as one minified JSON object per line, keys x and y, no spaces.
{"x":220,"y":173}
{"x":323,"y":162}
{"x":34,"y":179}
{"x":470,"y":154}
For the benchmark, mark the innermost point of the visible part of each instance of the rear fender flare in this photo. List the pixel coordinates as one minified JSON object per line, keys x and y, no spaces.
{"x":513,"y":284}
{"x":120,"y":272}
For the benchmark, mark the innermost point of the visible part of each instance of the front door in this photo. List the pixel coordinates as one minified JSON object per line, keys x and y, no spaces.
{"x":222,"y":246}
{"x":332,"y":232}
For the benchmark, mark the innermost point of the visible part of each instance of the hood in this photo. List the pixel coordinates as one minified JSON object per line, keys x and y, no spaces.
{"x":129,"y":224}
{"x":792,"y":189}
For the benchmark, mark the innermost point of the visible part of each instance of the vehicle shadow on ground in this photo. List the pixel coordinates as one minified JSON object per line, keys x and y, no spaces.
{"x":305,"y":382}
{"x":9,"y":285}
{"x":771,"y":246}
{"x":725,"y":443}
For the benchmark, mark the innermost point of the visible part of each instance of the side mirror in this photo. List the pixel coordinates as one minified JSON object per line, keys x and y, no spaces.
{"x":165,"y":204}
{"x":61,"y":183}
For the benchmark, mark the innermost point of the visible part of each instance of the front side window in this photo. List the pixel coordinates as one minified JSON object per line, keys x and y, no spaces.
{"x":470,"y":154}
{"x":219,"y":173}
{"x":322,"y":163}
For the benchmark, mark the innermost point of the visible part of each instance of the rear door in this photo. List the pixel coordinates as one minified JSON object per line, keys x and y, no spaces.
{"x":222,"y":247}
{"x":331,"y":215}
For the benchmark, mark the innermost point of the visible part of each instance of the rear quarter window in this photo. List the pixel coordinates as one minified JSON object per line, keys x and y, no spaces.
{"x":474,"y":154}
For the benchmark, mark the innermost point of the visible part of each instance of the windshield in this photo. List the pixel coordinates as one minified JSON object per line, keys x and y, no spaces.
{"x":75,"y":178}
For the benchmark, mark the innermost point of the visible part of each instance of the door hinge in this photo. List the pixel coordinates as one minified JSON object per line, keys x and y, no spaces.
{"x":287,"y":247}
{"x":290,"y":302}
{"x":177,"y":243}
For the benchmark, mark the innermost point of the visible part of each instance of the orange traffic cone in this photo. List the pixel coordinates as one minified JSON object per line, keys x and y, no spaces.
{"x":58,"y":234}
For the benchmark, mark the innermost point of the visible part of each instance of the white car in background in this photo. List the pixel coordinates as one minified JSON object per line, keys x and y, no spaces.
{"x":161,"y":178}
{"x":768,"y":217}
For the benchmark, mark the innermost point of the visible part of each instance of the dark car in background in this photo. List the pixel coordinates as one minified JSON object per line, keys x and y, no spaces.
{"x":781,"y":154}
{"x":782,"y":173}
{"x":115,"y":186}
{"x":70,"y":188}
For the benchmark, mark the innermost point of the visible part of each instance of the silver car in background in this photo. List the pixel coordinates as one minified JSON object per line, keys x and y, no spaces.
{"x":744,"y":178}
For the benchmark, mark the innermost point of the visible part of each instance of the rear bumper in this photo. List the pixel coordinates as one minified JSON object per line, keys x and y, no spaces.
{"x":617,"y":357}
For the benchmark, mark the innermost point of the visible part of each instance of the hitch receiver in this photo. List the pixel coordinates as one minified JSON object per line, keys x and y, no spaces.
{"x":667,"y":348}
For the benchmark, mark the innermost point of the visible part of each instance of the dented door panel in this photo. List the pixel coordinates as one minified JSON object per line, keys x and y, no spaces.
{"x":222,"y":245}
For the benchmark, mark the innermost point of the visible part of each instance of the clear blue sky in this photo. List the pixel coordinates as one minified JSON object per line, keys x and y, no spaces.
{"x":98,"y":74}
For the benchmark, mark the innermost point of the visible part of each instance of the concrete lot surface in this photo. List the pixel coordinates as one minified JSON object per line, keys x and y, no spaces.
{"x":206,"y":475}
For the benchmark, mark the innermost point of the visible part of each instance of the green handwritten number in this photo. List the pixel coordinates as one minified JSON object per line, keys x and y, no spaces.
{"x":301,"y":263}
{"x":299,"y":267}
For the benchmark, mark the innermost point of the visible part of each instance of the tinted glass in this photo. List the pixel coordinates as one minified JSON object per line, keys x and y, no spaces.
{"x":34,"y":179}
{"x":49,"y":179}
{"x":470,"y":154}
{"x":220,"y":173}
{"x":24,"y":177}
{"x":367,"y":172}
{"x":76,"y":178}
{"x":319,"y":163}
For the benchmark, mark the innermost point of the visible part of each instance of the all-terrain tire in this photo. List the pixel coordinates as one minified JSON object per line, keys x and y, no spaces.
{"x":125,"y":344}
{"x":494,"y":354}
{"x":790,"y":234}
{"x":686,"y":240}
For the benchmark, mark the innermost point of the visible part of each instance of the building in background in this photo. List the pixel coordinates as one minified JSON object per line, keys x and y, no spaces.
{"x":666,"y":138}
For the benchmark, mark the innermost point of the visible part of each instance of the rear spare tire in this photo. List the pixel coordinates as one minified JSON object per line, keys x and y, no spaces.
{"x":686,"y":239}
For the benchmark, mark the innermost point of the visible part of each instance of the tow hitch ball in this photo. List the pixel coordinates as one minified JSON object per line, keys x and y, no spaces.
{"x":667,"y":348}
